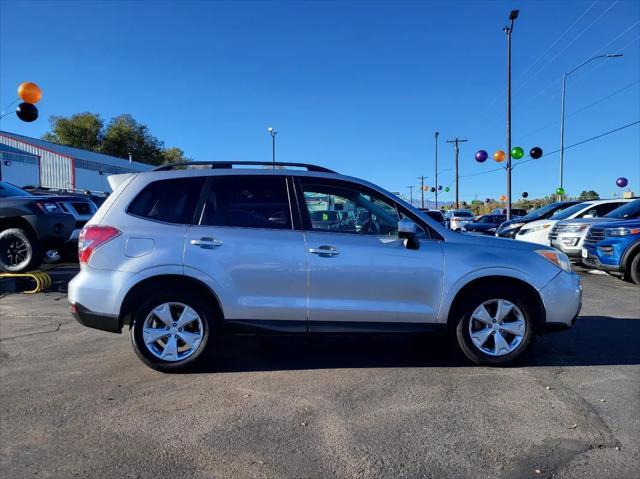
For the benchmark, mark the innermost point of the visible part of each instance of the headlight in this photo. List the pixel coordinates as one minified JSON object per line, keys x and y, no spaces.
{"x":538,"y":228}
{"x":48,"y":208}
{"x":622,"y":231}
{"x":573,"y":228}
{"x":491,"y":229}
{"x":514,"y":225}
{"x":561,"y":260}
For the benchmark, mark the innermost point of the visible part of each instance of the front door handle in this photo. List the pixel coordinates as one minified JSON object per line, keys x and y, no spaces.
{"x":325,"y":251}
{"x":206,"y":243}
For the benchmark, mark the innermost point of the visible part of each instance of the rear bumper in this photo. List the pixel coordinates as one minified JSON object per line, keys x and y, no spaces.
{"x":562,"y":299}
{"x":91,"y":319}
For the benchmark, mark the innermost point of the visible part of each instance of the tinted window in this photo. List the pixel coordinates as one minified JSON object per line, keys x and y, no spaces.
{"x":171,"y":201}
{"x":248,"y":202}
{"x":462,"y":214}
{"x":627,"y":211}
{"x":8,"y":190}
{"x":544,"y":211}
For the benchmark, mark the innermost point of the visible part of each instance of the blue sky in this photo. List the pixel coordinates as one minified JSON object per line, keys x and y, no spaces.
{"x":359,"y":87}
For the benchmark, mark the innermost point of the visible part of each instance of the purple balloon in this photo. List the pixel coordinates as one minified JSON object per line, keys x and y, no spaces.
{"x":622,"y":182}
{"x":481,"y":156}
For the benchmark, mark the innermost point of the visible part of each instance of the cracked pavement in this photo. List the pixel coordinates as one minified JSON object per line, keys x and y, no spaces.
{"x":77,"y":402}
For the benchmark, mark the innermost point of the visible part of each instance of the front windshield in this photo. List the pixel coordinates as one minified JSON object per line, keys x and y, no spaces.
{"x":627,"y":211}
{"x":8,"y":190}
{"x":567,"y":212}
{"x":541,"y":212}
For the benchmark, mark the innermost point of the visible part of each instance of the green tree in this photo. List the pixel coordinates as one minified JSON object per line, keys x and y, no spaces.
{"x":82,"y":130}
{"x":589,"y":195}
{"x":124,"y":135}
{"x":173,"y":155}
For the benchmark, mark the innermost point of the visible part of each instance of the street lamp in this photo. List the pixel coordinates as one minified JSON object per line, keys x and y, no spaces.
{"x":564,"y":89}
{"x":508,"y":30}
{"x":273,"y":134}
{"x":436,"y":136}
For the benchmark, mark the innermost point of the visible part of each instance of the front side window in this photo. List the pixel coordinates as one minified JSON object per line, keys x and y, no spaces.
{"x":349,"y":209}
{"x":170,"y":201}
{"x":247,"y":201}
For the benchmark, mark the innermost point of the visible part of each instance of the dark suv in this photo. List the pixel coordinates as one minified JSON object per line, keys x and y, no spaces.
{"x":30,"y":225}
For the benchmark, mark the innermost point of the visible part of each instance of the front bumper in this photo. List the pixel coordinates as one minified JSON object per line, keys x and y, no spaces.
{"x":569,"y":243}
{"x":562,"y":299}
{"x":52,"y":229}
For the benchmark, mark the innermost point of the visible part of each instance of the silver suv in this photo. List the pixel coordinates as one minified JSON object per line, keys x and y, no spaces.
{"x":183,"y":254}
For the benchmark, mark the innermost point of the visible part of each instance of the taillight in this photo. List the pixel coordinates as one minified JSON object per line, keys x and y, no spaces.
{"x":92,"y":237}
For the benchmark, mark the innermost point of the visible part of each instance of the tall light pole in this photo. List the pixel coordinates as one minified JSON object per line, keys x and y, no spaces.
{"x":456,"y":142}
{"x":564,"y":90}
{"x":273,"y":134}
{"x":421,"y":178}
{"x":437,"y":133}
{"x":508,"y":30}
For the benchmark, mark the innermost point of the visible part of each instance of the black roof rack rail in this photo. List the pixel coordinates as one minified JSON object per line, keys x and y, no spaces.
{"x":225,"y":165}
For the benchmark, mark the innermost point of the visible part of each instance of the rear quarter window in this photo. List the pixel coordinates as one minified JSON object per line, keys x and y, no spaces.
{"x":170,"y":201}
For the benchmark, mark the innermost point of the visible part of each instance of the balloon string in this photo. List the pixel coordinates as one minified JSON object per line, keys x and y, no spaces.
{"x":3,"y":114}
{"x":12,"y":103}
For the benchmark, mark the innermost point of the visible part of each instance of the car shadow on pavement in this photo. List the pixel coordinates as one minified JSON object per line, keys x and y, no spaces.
{"x":596,"y":340}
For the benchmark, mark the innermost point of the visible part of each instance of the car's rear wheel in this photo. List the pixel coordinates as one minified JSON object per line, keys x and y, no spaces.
{"x":495,"y":328}
{"x":171,"y":329}
{"x":20,"y":251}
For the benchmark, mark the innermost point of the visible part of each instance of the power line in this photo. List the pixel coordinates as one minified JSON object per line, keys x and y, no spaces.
{"x":558,"y":150}
{"x":586,"y":107}
{"x":567,"y":46}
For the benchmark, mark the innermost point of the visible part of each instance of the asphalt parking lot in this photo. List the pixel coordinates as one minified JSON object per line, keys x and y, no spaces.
{"x":77,"y":402}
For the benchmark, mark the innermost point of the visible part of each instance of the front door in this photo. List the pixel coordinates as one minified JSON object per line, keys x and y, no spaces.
{"x":246,"y":248}
{"x":360,"y":272}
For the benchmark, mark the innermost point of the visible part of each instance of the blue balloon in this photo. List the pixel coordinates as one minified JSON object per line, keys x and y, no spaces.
{"x":481,"y":156}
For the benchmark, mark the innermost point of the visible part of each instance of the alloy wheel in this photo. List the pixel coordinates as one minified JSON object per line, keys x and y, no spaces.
{"x":14,"y":251}
{"x":172,"y":331}
{"x":497,"y":327}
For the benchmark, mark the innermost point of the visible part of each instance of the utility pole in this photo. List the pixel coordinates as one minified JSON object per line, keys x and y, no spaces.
{"x":421,"y":178}
{"x":456,"y":143}
{"x":508,"y":30}
{"x":437,"y":133}
{"x":411,"y":187}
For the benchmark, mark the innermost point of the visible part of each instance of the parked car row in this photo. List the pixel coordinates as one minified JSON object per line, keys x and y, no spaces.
{"x":601,"y":234}
{"x":33,"y":227}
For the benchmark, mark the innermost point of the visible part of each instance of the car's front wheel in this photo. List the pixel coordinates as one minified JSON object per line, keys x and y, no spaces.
{"x":171,"y":329}
{"x":495,"y":328}
{"x":20,"y":251}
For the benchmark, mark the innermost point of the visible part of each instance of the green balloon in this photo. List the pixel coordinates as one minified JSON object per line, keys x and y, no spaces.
{"x":517,"y":153}
{"x":560,"y":191}
{"x":446,"y":188}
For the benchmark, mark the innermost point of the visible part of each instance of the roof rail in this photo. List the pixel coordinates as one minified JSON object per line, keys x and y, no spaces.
{"x":225,"y":165}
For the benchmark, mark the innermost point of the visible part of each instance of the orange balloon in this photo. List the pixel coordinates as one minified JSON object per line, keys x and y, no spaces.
{"x":499,"y":156}
{"x":502,"y":198}
{"x":29,"y":92}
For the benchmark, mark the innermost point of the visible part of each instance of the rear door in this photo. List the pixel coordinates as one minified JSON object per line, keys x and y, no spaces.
{"x":360,"y":273}
{"x":246,"y":248}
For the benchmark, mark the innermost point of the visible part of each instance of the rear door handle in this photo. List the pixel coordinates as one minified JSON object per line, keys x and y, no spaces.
{"x":325,"y":251}
{"x":206,"y":243}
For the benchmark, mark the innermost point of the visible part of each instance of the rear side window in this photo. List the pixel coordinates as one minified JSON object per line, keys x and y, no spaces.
{"x":171,"y":201}
{"x":247,"y":201}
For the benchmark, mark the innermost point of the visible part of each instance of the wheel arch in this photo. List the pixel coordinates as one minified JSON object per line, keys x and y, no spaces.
{"x":630,"y":253}
{"x":167,"y":281}
{"x":18,"y":222}
{"x":495,"y":281}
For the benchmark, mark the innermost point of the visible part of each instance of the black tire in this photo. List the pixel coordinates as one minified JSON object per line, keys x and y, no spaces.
{"x":20,"y":250}
{"x":634,"y":269}
{"x":172,"y":295}
{"x":477,"y":298}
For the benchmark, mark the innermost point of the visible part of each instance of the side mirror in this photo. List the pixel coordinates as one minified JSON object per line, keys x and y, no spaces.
{"x":407,"y":231}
